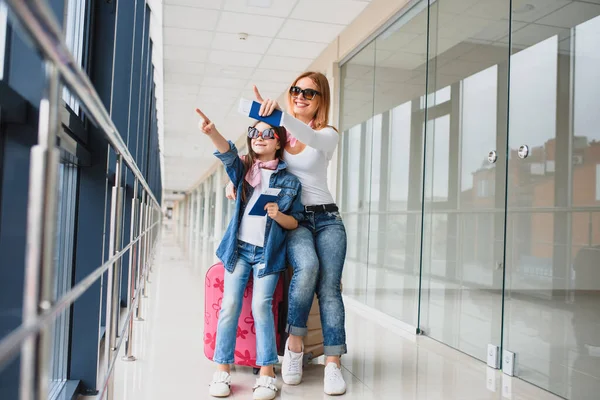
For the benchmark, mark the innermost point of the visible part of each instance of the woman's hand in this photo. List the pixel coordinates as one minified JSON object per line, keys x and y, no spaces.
{"x":272,"y":210}
{"x":266,"y":106}
{"x":205,"y":125}
{"x":230,"y":191}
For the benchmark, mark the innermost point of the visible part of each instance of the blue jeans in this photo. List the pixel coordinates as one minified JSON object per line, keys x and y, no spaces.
{"x":250,"y":260}
{"x":317,"y":251}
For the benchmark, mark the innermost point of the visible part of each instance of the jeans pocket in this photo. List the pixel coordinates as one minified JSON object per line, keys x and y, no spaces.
{"x":334,"y":215}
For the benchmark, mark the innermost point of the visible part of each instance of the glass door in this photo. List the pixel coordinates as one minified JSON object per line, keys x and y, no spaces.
{"x":552,"y":309}
{"x":465,"y":120}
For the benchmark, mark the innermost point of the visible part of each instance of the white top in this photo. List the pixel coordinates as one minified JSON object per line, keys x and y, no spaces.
{"x":252,"y":227}
{"x":311,"y":164}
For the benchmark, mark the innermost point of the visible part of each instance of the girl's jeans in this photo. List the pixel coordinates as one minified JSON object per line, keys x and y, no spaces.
{"x":250,"y":260}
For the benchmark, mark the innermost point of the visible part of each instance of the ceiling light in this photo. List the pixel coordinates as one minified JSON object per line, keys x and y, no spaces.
{"x":242,"y":36}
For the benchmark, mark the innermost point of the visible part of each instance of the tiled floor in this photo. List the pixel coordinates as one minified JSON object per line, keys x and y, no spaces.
{"x":383,"y":362}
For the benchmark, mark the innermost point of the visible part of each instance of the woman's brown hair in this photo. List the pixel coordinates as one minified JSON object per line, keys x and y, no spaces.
{"x":251,"y":157}
{"x":322,"y":116}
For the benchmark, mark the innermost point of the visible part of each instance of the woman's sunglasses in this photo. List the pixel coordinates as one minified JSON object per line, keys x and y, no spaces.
{"x":268,"y":133}
{"x":308,"y":94}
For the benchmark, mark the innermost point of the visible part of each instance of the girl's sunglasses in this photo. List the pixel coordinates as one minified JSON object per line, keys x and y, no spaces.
{"x":268,"y":133}
{"x":308,"y":94}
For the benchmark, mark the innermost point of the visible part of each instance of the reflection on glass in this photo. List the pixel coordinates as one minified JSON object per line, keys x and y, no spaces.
{"x":75,"y":25}
{"x":3,"y":27}
{"x":546,"y":273}
{"x":552,"y":316}
{"x":381,"y":166}
{"x":464,"y":193}
{"x":357,"y":111}
{"x":63,"y":264}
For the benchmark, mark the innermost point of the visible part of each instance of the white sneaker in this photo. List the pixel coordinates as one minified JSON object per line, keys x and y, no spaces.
{"x":291,"y":367}
{"x":334,"y":383}
{"x":220,"y":385}
{"x":265,"y":388}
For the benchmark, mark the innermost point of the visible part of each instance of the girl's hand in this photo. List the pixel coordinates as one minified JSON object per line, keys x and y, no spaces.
{"x":230,"y":191}
{"x":272,"y":210}
{"x":205,"y":125}
{"x":266,"y":106}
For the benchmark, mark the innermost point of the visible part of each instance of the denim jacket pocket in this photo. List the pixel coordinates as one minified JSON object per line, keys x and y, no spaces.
{"x":286,"y":198}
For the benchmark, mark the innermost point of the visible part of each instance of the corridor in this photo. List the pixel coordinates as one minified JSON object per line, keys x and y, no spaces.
{"x":384,"y":362}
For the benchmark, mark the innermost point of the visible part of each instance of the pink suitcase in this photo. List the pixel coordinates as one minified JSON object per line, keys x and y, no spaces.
{"x":245,"y":347}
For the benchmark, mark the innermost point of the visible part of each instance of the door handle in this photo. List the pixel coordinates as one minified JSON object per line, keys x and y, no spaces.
{"x":523,"y":151}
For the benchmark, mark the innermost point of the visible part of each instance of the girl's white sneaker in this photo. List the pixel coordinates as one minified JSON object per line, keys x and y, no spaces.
{"x":220,"y":385}
{"x":265,"y":388}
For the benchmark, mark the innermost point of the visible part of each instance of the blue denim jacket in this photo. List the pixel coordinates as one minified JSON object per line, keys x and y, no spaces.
{"x":275,"y":248}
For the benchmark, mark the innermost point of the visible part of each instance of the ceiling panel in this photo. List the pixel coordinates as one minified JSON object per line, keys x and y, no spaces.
{"x":184,"y":67}
{"x":310,"y":31}
{"x":258,"y":25}
{"x":208,"y":4}
{"x":206,"y":65}
{"x":234,"y":58}
{"x":285,"y":63}
{"x":189,"y":17}
{"x":285,"y":77}
{"x":230,"y":83}
{"x":183,"y":78}
{"x":187,"y":37}
{"x":232,"y":42}
{"x":330,"y":11}
{"x":533,"y":33}
{"x":278,"y":8}
{"x":185,"y":53}
{"x":532,"y":10}
{"x":238,"y":72}
{"x":295,"y":48}
{"x":571,"y":15}
{"x":181,"y":88}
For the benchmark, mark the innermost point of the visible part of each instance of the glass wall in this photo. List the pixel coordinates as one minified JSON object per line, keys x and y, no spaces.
{"x":63,"y":276}
{"x":381,"y":174}
{"x":469,"y":181}
{"x":552,"y":310}
{"x":463,"y":209}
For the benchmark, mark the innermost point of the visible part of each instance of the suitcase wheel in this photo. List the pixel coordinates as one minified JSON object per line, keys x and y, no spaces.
{"x":255,"y":371}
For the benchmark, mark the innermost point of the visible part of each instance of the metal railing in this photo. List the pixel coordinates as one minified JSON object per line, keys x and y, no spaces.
{"x":40,"y":309}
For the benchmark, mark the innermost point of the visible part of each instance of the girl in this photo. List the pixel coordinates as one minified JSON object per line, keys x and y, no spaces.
{"x":317,"y":249}
{"x":253,"y":244}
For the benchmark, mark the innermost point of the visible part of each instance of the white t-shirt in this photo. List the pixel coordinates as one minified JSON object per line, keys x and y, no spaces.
{"x":252,"y":227}
{"x":311,"y":164}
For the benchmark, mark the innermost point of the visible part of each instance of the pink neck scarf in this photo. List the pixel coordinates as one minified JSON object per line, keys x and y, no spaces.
{"x":292,"y":140}
{"x":253,"y":176}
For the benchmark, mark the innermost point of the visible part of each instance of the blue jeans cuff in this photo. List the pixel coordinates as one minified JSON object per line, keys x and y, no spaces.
{"x":265,"y":364}
{"x":296,"y":331}
{"x":332,"y":351}
{"x":223,"y":362}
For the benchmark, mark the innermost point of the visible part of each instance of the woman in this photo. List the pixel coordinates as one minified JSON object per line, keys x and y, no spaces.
{"x":317,"y":248}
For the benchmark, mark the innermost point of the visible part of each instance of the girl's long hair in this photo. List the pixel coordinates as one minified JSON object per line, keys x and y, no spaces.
{"x":322,"y":116}
{"x":251,"y":157}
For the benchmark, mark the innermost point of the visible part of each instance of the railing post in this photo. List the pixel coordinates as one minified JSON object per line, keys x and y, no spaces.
{"x":152,"y":212}
{"x":113,"y":292}
{"x":131,"y":287}
{"x":146,"y":248}
{"x":39,"y":255}
{"x":140,"y":259}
